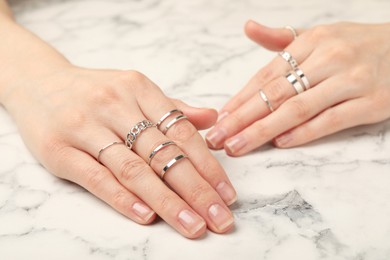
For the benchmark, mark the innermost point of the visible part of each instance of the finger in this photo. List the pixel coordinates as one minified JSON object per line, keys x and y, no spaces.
{"x":139,"y":178}
{"x":274,"y":39}
{"x":276,"y":91}
{"x":190,"y":142}
{"x":136,"y":176}
{"x":201,"y":118}
{"x":332,"y":120}
{"x":293,"y":112}
{"x":276,"y":68}
{"x":79,"y":167}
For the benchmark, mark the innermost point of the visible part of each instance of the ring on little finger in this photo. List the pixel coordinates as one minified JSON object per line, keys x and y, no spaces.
{"x":266,"y":100}
{"x":105,"y":148}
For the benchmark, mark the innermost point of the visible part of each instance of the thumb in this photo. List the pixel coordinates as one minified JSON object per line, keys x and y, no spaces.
{"x":270,"y":38}
{"x":201,"y":118}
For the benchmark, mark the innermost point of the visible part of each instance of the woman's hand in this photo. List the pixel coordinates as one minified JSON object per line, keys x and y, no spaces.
{"x":347,"y":66}
{"x":69,"y":116}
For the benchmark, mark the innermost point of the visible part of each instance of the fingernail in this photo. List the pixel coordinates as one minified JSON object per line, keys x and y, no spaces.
{"x":283,"y":139}
{"x":236,"y":143}
{"x":222,"y":116}
{"x":143,"y":211}
{"x":227,"y":193}
{"x":191,"y":222}
{"x":220,"y":217}
{"x":215,"y":137}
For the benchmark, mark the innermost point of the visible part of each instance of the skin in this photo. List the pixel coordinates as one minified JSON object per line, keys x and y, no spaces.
{"x":65,"y":116}
{"x":350,"y":86}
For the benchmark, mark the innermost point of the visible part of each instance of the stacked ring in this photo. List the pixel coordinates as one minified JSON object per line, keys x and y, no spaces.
{"x":303,"y":78}
{"x":291,"y":77}
{"x":170,"y":164}
{"x":292,"y":30}
{"x":172,"y":122}
{"x":157,"y":149}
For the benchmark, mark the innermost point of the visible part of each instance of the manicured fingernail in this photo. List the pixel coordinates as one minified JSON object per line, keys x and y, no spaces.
{"x":220,"y":217}
{"x":222,"y":116}
{"x":227,"y":193}
{"x":216,"y":136}
{"x":283,"y":139}
{"x":143,"y":211}
{"x":236,"y":143}
{"x":191,"y":222}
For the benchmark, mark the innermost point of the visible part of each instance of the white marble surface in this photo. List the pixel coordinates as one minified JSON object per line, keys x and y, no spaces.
{"x":326,"y":200}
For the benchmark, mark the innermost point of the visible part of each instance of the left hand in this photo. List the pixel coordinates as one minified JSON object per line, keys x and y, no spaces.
{"x":348,"y":68}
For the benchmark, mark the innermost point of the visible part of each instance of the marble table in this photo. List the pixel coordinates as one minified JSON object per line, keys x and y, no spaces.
{"x":326,"y":200}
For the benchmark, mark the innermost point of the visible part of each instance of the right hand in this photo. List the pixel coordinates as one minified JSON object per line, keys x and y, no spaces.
{"x":67,"y":117}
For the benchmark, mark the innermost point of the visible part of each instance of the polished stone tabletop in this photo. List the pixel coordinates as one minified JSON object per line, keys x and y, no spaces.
{"x":326,"y":200}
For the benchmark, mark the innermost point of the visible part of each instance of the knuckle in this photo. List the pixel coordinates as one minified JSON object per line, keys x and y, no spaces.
{"x":276,"y":92}
{"x":264,"y":75}
{"x":166,"y":203}
{"x":120,"y":199}
{"x":94,"y":177}
{"x":262,"y":130}
{"x":358,"y":75}
{"x":105,"y":95}
{"x":199,"y":193}
{"x":131,"y":170}
{"x":182,"y":131}
{"x":319,"y":32}
{"x":299,"y":108}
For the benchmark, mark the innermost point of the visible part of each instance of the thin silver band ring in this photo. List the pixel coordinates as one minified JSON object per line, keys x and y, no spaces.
{"x":292,"y":30}
{"x":303,"y":78}
{"x":289,"y":58}
{"x":105,"y":148}
{"x":167,"y":115}
{"x":159,"y":148}
{"x":266,"y":100}
{"x":291,"y":77}
{"x":171,"y":163}
{"x":173,"y":121}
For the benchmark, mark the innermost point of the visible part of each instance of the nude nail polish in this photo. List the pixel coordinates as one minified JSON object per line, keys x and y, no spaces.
{"x":216,"y":136}
{"x":220,"y":217}
{"x":227,"y":193}
{"x":236,"y":143}
{"x":143,"y":211}
{"x":191,"y":222}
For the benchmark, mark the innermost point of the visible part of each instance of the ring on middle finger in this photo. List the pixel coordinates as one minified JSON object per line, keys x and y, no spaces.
{"x":289,"y":58}
{"x":136,"y":130}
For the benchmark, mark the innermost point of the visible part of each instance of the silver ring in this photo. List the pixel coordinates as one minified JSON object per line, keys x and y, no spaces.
{"x":173,"y":121}
{"x":166,"y":116}
{"x":159,"y":148}
{"x":289,"y":58}
{"x":295,"y":82}
{"x":171,"y":163}
{"x":264,"y":97}
{"x":104,"y":148}
{"x":292,"y":30}
{"x":303,"y":78}
{"x":136,"y":130}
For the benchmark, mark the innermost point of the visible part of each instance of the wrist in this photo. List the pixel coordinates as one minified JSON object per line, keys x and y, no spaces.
{"x":25,"y":59}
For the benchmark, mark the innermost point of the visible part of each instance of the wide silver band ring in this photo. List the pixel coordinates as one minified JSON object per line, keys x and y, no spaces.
{"x":289,"y":58}
{"x":167,"y":115}
{"x":172,"y":122}
{"x":266,"y":100}
{"x":105,"y":148}
{"x":303,"y":78}
{"x":292,"y":30}
{"x":159,"y":148}
{"x":292,"y":78}
{"x":170,"y":164}
{"x":136,"y":130}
